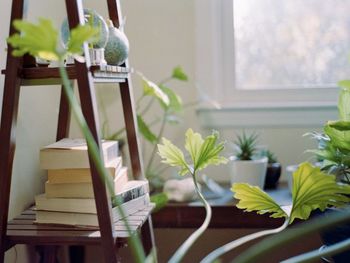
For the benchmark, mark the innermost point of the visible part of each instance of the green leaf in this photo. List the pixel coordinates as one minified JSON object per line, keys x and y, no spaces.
{"x":145,"y":130}
{"x":173,"y":156}
{"x":193,"y":144}
{"x":179,"y":74}
{"x":252,"y":198}
{"x":344,"y":84}
{"x":339,"y":134}
{"x":175,"y":101}
{"x":344,"y":100}
{"x":314,"y":189}
{"x":79,"y":35}
{"x":151,"y":89}
{"x":209,"y":153}
{"x":160,"y":200}
{"x":38,"y":40}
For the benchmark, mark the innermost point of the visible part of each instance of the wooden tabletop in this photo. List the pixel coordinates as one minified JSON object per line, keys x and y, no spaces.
{"x":225,"y":213}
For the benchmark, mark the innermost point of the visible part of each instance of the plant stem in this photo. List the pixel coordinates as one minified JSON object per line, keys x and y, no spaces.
{"x":182,"y":250}
{"x":316,"y":254}
{"x":238,"y":242}
{"x":255,"y":253}
{"x":134,"y":240}
{"x":148,"y":106}
{"x":162,"y":82}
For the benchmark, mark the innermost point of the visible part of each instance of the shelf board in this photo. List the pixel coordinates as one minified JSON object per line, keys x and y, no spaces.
{"x":51,"y":76}
{"x":23,"y":230}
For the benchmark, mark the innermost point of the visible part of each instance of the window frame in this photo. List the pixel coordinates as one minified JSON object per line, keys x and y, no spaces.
{"x":215,"y":64}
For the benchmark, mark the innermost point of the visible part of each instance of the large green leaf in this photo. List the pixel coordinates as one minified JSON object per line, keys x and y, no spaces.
{"x":145,"y":130}
{"x":175,"y":101}
{"x":314,"y":189}
{"x":252,"y":198}
{"x":173,"y":156}
{"x":344,"y":100}
{"x":339,"y":134}
{"x":178,"y":73}
{"x":193,"y":144}
{"x":38,"y":40}
{"x":209,"y":152}
{"x":152,"y":89}
{"x":79,"y":35}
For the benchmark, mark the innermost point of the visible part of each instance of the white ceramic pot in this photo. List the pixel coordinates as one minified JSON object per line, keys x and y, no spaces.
{"x":252,"y":172}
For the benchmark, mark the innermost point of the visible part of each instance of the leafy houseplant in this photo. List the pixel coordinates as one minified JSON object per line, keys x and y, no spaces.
{"x":41,"y":41}
{"x":273,"y":170}
{"x":169,"y":105}
{"x":245,"y":165}
{"x":202,"y":152}
{"x":312,"y":189}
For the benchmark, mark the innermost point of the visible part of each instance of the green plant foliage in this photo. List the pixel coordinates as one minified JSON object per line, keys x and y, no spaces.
{"x":252,"y":198}
{"x":152,"y":89}
{"x":160,"y":199}
{"x":38,"y":40}
{"x":314,"y":189}
{"x":179,"y":74}
{"x":202,"y":152}
{"x":175,"y":101}
{"x":344,"y":100}
{"x":41,"y":40}
{"x":271,"y":157}
{"x":145,"y":130}
{"x":79,"y":35}
{"x":246,"y":146}
{"x":339,"y":134}
{"x":173,"y":156}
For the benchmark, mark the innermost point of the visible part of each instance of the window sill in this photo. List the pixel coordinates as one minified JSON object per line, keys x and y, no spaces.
{"x":266,"y":116}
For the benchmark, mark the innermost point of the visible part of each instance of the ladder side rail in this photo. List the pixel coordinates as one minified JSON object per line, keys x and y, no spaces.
{"x":64,"y":117}
{"x":8,"y":126}
{"x":126,"y":91}
{"x":89,"y":108}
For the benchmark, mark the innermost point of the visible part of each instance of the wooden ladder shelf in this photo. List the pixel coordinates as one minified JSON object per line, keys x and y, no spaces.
{"x":21,"y":229}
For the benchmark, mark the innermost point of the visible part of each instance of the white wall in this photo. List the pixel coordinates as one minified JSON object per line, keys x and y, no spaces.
{"x":161,"y":35}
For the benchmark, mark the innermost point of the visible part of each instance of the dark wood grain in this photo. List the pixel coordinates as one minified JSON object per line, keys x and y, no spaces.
{"x":64,"y":116}
{"x":89,"y":108}
{"x":185,"y":216}
{"x":8,"y":129}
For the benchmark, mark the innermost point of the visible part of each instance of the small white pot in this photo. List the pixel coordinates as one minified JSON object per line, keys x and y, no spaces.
{"x":252,"y":172}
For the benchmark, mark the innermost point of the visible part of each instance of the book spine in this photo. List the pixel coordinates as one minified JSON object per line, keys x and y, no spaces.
{"x":133,"y":193}
{"x":131,"y":207}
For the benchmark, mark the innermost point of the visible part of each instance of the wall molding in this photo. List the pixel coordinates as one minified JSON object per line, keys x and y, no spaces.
{"x":266,"y":117}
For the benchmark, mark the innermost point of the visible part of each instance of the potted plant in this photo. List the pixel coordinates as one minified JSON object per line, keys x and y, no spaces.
{"x":333,"y":157}
{"x":246,"y":165}
{"x":273,"y":170}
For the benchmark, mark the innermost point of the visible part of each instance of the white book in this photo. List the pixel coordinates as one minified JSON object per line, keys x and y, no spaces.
{"x":132,"y":190}
{"x":81,"y":175}
{"x":90,"y":219}
{"x":82,"y":190}
{"x":73,"y":153}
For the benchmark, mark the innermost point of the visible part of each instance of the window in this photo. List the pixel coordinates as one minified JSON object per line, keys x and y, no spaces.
{"x":271,"y":56}
{"x":291,"y":43}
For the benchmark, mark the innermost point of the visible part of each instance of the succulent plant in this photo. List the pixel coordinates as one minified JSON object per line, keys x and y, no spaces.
{"x":246,"y":146}
{"x":271,"y":157}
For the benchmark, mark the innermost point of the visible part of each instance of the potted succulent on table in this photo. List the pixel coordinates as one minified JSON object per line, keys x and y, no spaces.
{"x":273,"y":170}
{"x":246,"y":165}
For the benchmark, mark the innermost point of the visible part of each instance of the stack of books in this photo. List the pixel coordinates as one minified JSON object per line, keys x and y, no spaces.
{"x":69,"y":196}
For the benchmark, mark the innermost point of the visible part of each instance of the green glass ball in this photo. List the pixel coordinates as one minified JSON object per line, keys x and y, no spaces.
{"x":117,"y":48}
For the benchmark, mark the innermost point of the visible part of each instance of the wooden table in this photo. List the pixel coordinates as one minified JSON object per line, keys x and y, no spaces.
{"x":225,"y":213}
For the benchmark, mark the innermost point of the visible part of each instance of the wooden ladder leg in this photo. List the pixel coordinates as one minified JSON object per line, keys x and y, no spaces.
{"x":64,"y":115}
{"x":8,"y":127}
{"x":88,"y":103}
